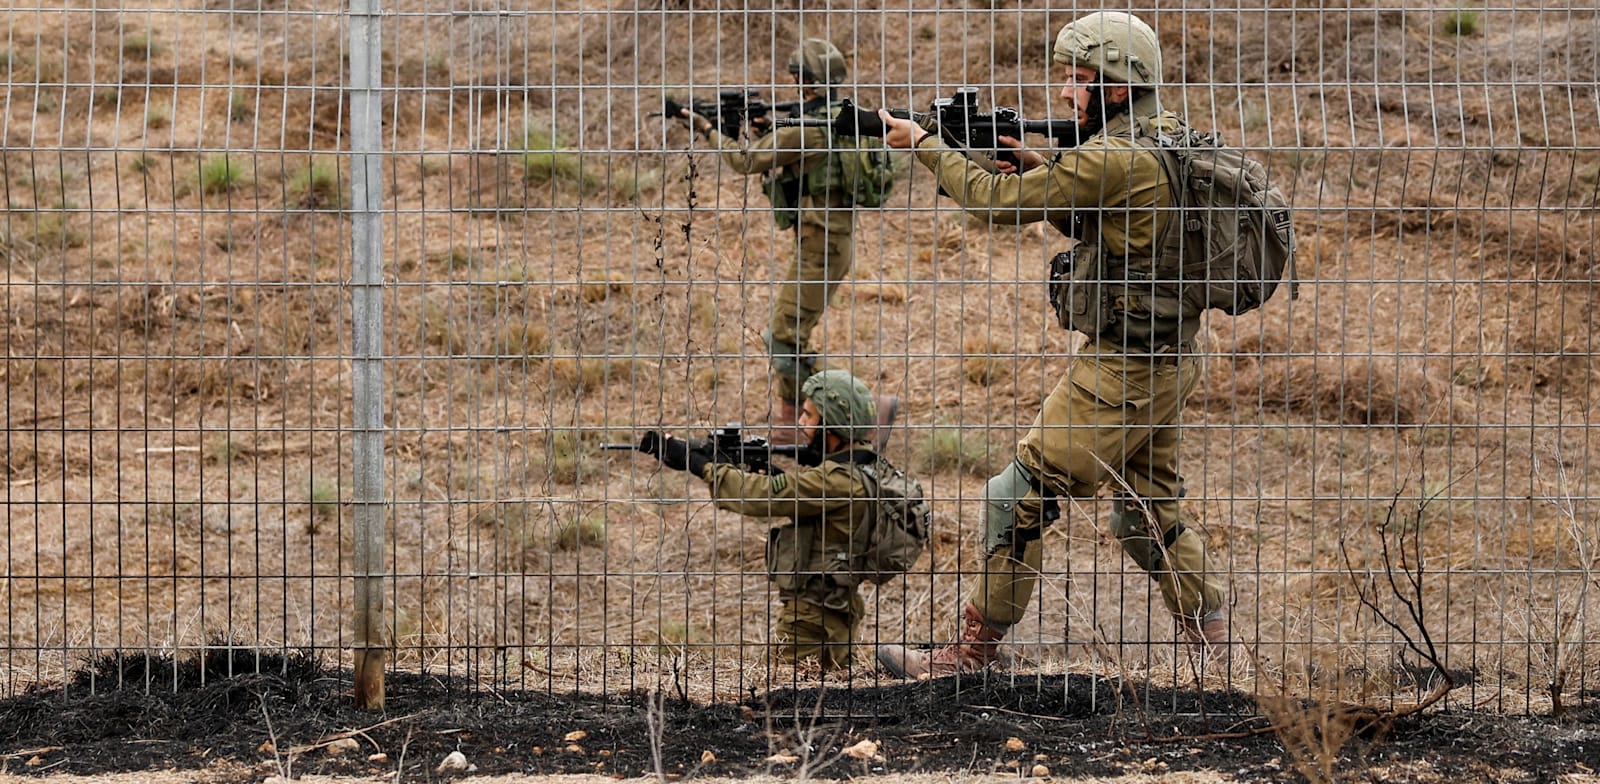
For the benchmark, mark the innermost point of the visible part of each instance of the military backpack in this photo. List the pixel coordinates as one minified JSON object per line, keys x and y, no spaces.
{"x":897,"y":531}
{"x":1237,"y":237}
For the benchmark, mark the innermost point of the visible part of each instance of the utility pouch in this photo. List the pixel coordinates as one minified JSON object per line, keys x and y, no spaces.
{"x":1081,"y":301}
{"x":784,"y":192}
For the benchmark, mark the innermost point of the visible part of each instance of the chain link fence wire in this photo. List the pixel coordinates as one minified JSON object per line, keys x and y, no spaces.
{"x":1405,"y":454}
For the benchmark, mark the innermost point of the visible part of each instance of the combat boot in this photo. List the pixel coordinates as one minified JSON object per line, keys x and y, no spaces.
{"x":784,"y":424}
{"x":978,"y":648}
{"x":1208,"y":634}
{"x":888,"y":408}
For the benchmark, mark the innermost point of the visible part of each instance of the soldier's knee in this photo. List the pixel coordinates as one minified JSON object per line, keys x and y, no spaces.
{"x":1141,"y":538}
{"x":1002,"y":496}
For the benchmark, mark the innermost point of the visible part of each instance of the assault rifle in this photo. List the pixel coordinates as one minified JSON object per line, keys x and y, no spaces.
{"x":959,"y":123}
{"x":726,"y":444}
{"x":733,"y":110}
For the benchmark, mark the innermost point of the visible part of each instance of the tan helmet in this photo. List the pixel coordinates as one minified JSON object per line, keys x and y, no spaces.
{"x":844,"y":402}
{"x":1119,"y":45}
{"x":817,"y":62}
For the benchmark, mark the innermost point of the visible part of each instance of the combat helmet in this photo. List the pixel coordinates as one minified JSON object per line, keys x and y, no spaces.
{"x":817,"y":61}
{"x":845,"y":403}
{"x":1117,"y":44}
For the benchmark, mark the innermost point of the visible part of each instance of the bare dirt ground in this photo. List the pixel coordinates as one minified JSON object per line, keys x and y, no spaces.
{"x":293,"y":718}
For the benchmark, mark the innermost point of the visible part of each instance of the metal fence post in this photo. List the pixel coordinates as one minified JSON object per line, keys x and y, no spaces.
{"x":366,"y":292}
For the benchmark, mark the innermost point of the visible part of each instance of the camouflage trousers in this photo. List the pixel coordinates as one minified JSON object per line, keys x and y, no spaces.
{"x":808,"y":629}
{"x":1112,"y":420}
{"x":822,"y":259}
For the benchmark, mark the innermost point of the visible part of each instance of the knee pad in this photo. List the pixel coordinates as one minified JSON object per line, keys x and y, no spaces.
{"x":786,"y":359}
{"x":1000,"y":498}
{"x":1136,"y":530}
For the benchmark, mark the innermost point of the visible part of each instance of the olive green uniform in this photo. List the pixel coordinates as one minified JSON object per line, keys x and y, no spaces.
{"x":1114,"y":417}
{"x":823,"y":247}
{"x":807,"y":554}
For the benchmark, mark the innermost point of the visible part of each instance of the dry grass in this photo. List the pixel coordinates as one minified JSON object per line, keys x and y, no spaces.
{"x":1448,"y":328}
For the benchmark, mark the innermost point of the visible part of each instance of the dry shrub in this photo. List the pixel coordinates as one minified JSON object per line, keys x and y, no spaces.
{"x":1372,"y":390}
{"x":578,"y":374}
{"x":601,"y":290}
{"x":580,"y":529}
{"x":524,"y":339}
{"x":987,"y":361}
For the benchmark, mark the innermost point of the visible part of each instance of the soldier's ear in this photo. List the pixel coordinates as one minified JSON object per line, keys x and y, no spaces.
{"x":1117,"y":93}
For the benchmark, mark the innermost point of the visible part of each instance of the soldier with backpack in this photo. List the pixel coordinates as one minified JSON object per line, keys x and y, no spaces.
{"x":1167,"y":224}
{"x":815,"y":181}
{"x":846,"y":517}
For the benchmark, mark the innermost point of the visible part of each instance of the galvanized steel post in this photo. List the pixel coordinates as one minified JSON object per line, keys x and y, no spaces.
{"x":371,"y":644}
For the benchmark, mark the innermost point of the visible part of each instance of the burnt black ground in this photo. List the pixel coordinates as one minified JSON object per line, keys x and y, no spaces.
{"x":197,"y":713}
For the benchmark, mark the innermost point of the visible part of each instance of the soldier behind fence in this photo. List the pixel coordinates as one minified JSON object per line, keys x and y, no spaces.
{"x":821,"y":514}
{"x":1114,"y":417}
{"x":814,"y":181}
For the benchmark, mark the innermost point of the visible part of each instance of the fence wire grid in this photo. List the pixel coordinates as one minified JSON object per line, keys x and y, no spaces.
{"x":1406,"y":451}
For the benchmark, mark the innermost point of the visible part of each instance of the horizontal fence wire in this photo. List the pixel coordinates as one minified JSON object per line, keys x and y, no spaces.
{"x":1399,"y":462}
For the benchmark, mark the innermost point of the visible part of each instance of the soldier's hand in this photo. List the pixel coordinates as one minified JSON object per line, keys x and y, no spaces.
{"x":673,"y":109}
{"x":902,"y":134}
{"x":1027,"y":159}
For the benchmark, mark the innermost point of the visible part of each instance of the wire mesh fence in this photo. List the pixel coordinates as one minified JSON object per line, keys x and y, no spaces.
{"x":1401,"y":458}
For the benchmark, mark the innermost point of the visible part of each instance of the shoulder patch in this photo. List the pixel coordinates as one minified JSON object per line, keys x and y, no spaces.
{"x":780,"y":483}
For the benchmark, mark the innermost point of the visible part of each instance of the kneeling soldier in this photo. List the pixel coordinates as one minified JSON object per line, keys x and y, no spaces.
{"x":819,"y":514}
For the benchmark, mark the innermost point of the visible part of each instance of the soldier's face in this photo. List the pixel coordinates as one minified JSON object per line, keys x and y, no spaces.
{"x":809,"y":419}
{"x":1075,"y":84}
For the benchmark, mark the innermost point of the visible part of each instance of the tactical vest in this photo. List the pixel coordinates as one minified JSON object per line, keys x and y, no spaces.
{"x":858,"y":173}
{"x":1120,"y":299}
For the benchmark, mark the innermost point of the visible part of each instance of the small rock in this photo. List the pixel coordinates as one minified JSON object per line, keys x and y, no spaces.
{"x":35,"y":761}
{"x":343,"y":745}
{"x":1015,"y":744}
{"x":573,"y":748}
{"x":378,"y":757}
{"x":865,"y":750}
{"x":454,"y":762}
{"x":782,"y":758}
{"x":1040,"y":771}
{"x":575,"y":736}
{"x":266,"y":747}
{"x":706,"y":757}
{"x":603,"y":754}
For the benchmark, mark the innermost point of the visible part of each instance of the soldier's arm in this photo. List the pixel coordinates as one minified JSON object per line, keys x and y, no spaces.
{"x":780,"y":148}
{"x":1081,"y":178}
{"x":805,"y":493}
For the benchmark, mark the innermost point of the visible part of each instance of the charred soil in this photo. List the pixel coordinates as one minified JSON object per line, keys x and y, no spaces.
{"x":276,"y":714}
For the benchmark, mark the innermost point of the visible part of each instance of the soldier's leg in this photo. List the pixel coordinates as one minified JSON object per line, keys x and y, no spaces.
{"x":842,"y":627}
{"x":799,"y":631}
{"x":822,"y":259}
{"x":1146,"y":516}
{"x":1063,"y":454}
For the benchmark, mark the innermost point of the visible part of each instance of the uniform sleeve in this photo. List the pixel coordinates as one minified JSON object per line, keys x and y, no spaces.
{"x":807,"y":493}
{"x":782,"y":147}
{"x":1092,"y":176}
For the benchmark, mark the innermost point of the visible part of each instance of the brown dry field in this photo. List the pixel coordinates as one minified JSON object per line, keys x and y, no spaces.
{"x":178,"y":384}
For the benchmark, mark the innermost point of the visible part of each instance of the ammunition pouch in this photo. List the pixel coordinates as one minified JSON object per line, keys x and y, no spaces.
{"x":783,"y":190}
{"x":1080,"y":298}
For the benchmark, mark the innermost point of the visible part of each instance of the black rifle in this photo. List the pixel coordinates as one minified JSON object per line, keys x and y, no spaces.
{"x":726,"y":444}
{"x":733,"y":110}
{"x":959,"y":122}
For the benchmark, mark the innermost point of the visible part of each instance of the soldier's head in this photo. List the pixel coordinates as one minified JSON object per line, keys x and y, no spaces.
{"x":817,"y":65}
{"x":840,"y":405}
{"x":1105,"y":60}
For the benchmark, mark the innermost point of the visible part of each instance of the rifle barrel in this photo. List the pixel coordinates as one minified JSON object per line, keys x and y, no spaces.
{"x":628,"y":447}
